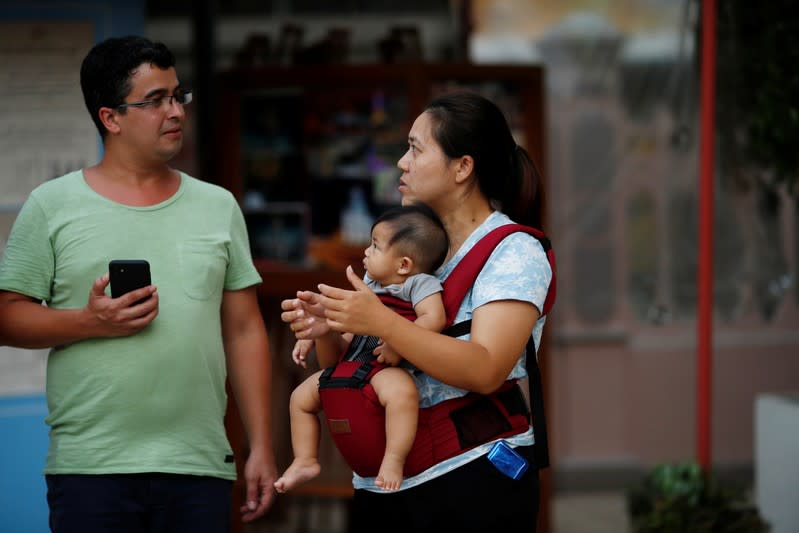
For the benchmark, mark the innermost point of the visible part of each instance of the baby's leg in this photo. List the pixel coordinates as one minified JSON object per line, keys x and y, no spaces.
{"x":397,"y":393}
{"x":305,"y":430}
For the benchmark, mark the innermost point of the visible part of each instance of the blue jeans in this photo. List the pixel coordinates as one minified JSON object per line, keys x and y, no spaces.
{"x":138,"y":503}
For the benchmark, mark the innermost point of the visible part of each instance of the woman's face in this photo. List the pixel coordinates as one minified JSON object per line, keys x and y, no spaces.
{"x":427,"y":174}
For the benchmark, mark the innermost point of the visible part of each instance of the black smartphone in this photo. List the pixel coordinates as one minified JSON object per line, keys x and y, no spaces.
{"x":128,"y":275}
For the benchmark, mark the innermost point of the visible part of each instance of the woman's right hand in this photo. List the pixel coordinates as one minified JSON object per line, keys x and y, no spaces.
{"x":305,"y":315}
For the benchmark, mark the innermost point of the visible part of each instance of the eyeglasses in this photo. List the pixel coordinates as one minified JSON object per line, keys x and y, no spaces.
{"x":180,"y":96}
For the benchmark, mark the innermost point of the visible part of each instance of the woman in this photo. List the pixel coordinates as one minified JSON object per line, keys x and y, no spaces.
{"x":463,"y":162}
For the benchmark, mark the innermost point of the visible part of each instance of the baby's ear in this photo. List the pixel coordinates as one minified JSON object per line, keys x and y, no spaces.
{"x":405,"y":266}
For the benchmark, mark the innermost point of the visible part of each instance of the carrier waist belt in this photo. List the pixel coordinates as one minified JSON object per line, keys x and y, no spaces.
{"x":356,"y":420}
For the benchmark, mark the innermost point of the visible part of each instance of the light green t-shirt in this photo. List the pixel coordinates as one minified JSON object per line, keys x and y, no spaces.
{"x":154,"y":401}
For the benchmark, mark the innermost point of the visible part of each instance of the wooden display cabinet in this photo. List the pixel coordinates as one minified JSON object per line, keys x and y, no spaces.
{"x":295,"y":142}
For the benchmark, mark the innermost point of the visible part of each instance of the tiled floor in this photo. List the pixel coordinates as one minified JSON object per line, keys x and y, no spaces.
{"x":589,"y":512}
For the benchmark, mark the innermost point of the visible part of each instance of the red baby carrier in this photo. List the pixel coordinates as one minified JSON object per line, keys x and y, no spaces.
{"x":356,"y":420}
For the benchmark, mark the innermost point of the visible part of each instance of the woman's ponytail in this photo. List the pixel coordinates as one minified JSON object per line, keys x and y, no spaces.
{"x":525,"y":204}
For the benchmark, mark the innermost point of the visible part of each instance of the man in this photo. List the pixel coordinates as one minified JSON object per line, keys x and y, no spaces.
{"x":136,"y":384}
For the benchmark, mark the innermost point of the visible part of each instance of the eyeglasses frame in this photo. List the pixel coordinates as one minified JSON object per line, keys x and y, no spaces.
{"x":156,"y":103}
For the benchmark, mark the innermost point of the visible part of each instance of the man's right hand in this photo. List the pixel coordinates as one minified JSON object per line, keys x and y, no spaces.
{"x":119,"y":317}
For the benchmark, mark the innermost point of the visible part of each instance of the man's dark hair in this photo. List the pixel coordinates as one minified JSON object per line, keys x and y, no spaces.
{"x":106,"y":71}
{"x":418,"y":233}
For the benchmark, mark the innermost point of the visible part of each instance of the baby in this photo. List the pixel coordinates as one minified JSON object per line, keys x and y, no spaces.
{"x":408,"y":243}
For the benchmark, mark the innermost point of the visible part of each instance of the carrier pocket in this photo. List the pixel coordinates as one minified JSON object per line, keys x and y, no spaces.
{"x":479,"y":422}
{"x":514,"y":401}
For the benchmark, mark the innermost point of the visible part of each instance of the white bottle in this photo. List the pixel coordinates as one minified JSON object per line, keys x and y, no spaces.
{"x":356,"y":221}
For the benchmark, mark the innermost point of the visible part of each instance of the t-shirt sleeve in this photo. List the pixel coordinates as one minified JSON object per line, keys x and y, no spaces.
{"x":421,"y":286}
{"x":516,"y":270}
{"x":241,"y":272}
{"x":28,"y":262}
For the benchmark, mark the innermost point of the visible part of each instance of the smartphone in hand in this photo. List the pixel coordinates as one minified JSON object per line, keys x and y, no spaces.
{"x":128,"y":275}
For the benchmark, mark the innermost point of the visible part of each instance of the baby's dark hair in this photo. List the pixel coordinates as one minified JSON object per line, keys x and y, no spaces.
{"x":418,"y":233}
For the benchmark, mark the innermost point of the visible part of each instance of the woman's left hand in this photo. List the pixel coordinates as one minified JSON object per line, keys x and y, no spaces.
{"x":357,"y":311}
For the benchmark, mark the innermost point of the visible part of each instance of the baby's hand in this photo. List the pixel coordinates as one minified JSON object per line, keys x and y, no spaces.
{"x":301,"y":350}
{"x":386,"y":355}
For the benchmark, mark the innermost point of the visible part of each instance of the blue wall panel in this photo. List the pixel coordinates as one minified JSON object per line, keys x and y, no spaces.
{"x":23,"y":449}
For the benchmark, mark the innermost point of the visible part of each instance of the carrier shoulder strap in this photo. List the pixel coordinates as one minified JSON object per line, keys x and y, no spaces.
{"x":400,"y":306}
{"x":458,"y":283}
{"x":463,"y":275}
{"x":536,"y":389}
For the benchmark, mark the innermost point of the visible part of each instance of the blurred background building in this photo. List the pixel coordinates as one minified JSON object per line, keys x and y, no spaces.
{"x":302,"y":105}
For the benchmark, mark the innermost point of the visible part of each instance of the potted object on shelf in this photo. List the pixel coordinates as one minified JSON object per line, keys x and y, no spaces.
{"x":679,"y":498}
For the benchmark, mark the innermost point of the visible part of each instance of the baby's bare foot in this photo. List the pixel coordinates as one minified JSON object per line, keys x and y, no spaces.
{"x":389,"y":477}
{"x":299,"y":471}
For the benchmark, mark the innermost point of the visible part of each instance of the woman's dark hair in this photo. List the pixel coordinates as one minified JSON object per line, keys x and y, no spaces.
{"x":466,"y":123}
{"x":419,"y":233}
{"x":106,"y":71}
